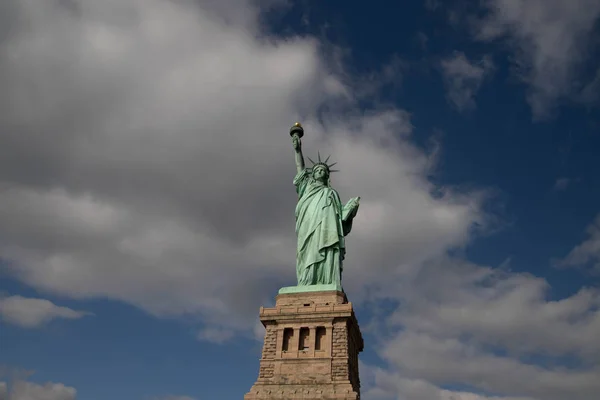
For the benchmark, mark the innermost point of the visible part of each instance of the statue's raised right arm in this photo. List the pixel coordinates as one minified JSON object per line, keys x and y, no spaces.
{"x":298,"y":148}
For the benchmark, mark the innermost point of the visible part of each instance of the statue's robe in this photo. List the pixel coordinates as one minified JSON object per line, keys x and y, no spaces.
{"x":321,"y":224}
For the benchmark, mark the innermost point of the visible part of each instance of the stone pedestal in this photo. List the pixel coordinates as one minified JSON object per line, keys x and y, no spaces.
{"x":311,"y":348}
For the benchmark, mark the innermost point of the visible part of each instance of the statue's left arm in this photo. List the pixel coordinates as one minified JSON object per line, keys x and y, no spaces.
{"x":349,"y":211}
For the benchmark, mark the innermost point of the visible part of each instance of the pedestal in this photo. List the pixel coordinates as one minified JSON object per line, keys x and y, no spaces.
{"x":311,"y":348}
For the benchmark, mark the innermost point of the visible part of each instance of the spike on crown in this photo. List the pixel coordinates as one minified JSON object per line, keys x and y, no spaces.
{"x":323,"y":164}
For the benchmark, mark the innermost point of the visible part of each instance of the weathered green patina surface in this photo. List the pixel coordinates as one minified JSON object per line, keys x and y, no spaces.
{"x":322,"y":222}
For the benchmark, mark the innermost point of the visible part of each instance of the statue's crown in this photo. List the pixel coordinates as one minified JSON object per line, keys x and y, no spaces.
{"x":323,"y":164}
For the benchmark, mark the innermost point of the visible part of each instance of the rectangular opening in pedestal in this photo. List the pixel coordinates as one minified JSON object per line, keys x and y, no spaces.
{"x":288,"y":333}
{"x":320,"y":338}
{"x":303,"y":342}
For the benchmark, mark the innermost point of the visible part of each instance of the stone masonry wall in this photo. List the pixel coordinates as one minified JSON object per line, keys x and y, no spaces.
{"x":340,"y":340}
{"x":267,"y":369}
{"x":329,"y":373}
{"x":339,"y":365}
{"x":270,"y":345}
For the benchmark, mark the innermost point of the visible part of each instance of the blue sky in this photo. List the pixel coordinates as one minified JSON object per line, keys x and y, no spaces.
{"x":147,"y":206}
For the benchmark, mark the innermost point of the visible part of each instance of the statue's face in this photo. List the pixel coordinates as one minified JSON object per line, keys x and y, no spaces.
{"x":320,"y":174}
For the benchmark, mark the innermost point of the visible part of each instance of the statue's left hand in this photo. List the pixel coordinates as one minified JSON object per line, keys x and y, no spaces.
{"x":350,"y":209}
{"x":354,"y":203}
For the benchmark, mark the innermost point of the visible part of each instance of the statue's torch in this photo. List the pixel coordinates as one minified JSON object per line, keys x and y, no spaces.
{"x":297,"y":130}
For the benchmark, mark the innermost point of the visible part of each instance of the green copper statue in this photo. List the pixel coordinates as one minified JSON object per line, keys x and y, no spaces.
{"x":322,"y":221}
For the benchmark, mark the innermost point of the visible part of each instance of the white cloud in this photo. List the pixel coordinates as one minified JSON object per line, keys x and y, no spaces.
{"x":24,"y":390}
{"x":384,"y":385}
{"x":145,"y":158}
{"x":20,"y":389}
{"x":463,"y":78}
{"x":549,"y":39}
{"x":587,"y":253}
{"x":215,"y":335}
{"x":493,"y":331}
{"x":32,"y":312}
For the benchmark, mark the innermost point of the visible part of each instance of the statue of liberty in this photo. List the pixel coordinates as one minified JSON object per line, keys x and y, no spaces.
{"x":322,"y":222}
